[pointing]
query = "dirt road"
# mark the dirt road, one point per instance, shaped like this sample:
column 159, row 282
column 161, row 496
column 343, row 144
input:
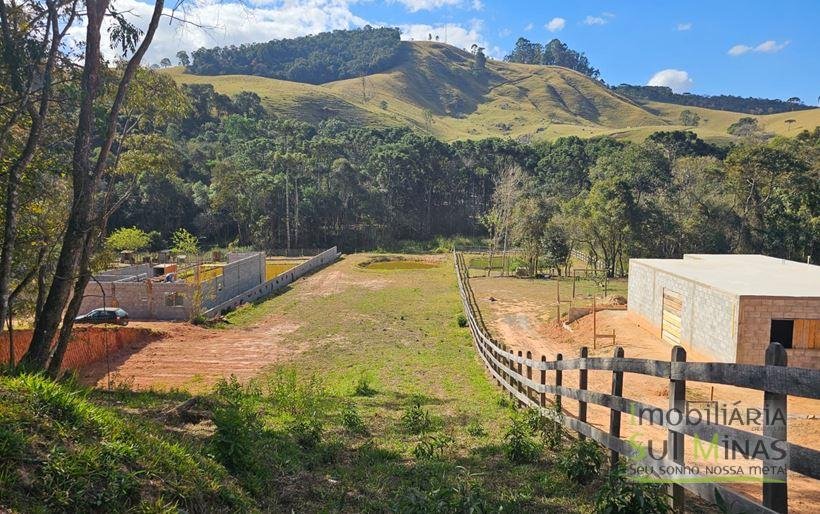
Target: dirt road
column 195, row 358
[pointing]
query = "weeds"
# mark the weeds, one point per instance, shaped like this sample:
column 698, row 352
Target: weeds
column 461, row 320
column 415, row 419
column 433, row 447
column 518, row 445
column 620, row 495
column 351, row 421
column 582, row 460
column 475, row 429
column 362, row 387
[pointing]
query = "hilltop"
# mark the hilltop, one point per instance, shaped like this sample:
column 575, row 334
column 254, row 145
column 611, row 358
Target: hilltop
column 434, row 88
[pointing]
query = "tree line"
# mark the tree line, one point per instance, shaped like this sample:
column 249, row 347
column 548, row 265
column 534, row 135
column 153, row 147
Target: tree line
column 316, row 59
column 719, row 102
column 89, row 149
column 554, row 53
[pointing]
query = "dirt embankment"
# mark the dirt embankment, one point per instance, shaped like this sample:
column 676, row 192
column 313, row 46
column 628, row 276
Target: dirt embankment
column 88, row 345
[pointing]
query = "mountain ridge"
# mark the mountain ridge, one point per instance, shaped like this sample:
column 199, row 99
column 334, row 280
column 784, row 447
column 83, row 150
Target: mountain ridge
column 434, row 87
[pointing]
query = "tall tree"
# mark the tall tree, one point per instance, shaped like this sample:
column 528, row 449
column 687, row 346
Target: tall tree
column 72, row 271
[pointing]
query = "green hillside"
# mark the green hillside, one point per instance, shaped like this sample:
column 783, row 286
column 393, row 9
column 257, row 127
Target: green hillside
column 435, row 89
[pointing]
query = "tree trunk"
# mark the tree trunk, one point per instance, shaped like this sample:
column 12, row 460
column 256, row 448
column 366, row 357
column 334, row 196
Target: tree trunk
column 287, row 212
column 85, row 179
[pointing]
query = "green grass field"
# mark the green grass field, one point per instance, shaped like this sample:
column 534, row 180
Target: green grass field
column 388, row 410
column 435, row 90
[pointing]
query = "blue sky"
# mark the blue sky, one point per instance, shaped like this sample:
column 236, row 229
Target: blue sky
column 748, row 48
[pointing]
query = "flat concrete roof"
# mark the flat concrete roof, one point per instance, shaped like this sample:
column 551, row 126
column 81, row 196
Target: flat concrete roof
column 744, row 275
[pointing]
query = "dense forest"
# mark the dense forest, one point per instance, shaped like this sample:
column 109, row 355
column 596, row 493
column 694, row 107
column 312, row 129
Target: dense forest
column 554, row 53
column 244, row 178
column 316, row 59
column 719, row 102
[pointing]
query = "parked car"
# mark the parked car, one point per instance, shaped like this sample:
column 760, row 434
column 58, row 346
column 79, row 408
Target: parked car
column 107, row 315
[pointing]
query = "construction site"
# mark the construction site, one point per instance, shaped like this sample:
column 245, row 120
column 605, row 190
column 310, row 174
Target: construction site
column 176, row 289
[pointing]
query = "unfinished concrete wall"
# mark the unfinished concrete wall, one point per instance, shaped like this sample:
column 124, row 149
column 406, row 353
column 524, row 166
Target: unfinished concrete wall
column 707, row 315
column 132, row 272
column 755, row 322
column 277, row 283
column 143, row 300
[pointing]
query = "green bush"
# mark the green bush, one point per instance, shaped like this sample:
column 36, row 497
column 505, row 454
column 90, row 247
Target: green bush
column 433, row 447
column 582, row 460
column 620, row 495
column 461, row 319
column 443, row 493
column 415, row 419
column 362, row 387
column 351, row 421
column 518, row 445
column 475, row 429
column 307, row 431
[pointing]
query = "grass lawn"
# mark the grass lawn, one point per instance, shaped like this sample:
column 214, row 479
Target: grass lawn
column 388, row 410
column 400, row 335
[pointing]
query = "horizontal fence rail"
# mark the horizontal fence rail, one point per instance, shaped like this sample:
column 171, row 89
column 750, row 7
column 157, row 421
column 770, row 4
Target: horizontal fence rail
column 514, row 371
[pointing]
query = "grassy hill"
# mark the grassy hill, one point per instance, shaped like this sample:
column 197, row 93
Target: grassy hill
column 435, row 89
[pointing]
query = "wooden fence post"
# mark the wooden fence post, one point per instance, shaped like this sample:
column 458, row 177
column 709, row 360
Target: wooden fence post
column 775, row 486
column 674, row 440
column 529, row 375
column 582, row 385
column 614, row 414
column 519, row 368
column 510, row 371
column 543, row 401
column 559, row 380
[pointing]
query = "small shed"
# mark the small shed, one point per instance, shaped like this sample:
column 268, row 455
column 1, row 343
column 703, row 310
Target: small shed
column 730, row 307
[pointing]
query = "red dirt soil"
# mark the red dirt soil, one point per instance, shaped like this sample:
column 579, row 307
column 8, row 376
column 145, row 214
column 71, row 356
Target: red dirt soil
column 522, row 324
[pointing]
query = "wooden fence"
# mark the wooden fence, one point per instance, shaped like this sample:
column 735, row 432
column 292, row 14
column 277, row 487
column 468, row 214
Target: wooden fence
column 514, row 372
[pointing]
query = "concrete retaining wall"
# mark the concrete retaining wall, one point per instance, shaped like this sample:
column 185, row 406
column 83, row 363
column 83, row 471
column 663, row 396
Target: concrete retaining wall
column 271, row 286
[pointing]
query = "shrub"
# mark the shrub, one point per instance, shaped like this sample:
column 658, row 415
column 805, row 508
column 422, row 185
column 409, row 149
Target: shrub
column 518, row 445
column 442, row 493
column 415, row 419
column 552, row 431
column 294, row 396
column 475, row 429
column 351, row 421
column 433, row 447
column 461, row 319
column 362, row 386
column 307, row 431
column 582, row 461
column 620, row 495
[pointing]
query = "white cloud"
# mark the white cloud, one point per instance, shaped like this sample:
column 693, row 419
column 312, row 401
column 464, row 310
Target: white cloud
column 431, row 5
column 684, row 26
column 771, row 46
column 478, row 5
column 678, row 80
column 767, row 47
column 603, row 19
column 217, row 23
column 528, row 27
column 457, row 35
column 556, row 24
column 504, row 32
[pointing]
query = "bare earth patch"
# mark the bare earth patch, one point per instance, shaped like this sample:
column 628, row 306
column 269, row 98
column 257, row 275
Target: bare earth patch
column 521, row 314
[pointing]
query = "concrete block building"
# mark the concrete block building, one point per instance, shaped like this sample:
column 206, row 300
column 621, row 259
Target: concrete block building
column 729, row 307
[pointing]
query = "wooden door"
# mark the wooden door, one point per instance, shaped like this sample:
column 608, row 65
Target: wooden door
column 671, row 320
